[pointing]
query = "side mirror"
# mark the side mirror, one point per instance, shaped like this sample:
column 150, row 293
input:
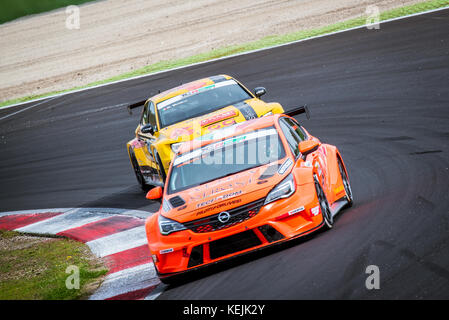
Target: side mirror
column 147, row 129
column 259, row 91
column 308, row 146
column 154, row 194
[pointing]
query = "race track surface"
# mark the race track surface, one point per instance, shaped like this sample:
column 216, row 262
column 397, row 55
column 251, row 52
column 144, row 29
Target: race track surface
column 381, row 96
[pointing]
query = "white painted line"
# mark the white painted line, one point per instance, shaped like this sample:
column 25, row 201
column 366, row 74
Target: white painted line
column 223, row 58
column 48, row 99
column 68, row 220
column 128, row 280
column 117, row 242
column 39, row 211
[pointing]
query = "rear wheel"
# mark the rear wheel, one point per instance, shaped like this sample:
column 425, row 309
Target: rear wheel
column 346, row 184
column 324, row 206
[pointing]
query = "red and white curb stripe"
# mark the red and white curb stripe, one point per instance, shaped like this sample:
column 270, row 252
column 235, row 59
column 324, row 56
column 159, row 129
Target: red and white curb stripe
column 116, row 235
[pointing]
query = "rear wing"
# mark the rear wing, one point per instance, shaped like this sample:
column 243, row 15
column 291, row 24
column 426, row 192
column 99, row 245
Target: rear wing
column 298, row 110
column 135, row 105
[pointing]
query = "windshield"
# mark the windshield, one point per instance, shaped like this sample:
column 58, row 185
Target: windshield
column 200, row 101
column 224, row 158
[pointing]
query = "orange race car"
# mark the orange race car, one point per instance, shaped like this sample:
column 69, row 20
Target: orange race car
column 248, row 186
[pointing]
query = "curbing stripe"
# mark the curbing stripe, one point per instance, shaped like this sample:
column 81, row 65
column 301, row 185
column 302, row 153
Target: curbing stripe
column 39, row 211
column 128, row 258
column 102, row 228
column 117, row 242
column 11, row 222
column 128, row 280
column 134, row 295
column 70, row 219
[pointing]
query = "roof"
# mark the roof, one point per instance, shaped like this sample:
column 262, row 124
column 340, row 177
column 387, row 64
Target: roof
column 184, row 88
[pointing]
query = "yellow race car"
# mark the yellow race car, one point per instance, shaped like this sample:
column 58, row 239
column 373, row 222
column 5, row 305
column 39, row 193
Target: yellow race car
column 185, row 113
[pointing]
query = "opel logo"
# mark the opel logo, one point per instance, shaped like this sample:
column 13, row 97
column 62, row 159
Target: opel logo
column 224, row 217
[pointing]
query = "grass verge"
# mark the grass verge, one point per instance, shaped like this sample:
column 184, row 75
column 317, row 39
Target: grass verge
column 254, row 45
column 34, row 268
column 13, row 9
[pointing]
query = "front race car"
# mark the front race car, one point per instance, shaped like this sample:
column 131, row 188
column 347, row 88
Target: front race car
column 232, row 196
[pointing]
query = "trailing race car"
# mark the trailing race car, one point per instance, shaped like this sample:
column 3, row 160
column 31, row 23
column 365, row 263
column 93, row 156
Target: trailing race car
column 245, row 187
column 187, row 112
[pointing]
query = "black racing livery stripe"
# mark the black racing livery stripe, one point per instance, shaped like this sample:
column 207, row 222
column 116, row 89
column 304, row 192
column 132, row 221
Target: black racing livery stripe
column 246, row 110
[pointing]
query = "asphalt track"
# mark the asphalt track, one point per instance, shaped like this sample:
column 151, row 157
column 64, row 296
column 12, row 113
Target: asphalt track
column 381, row 96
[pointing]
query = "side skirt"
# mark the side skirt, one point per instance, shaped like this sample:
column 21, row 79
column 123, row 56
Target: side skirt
column 338, row 205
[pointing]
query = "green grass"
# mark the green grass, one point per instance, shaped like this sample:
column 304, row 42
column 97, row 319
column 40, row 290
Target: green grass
column 258, row 44
column 13, row 9
column 37, row 272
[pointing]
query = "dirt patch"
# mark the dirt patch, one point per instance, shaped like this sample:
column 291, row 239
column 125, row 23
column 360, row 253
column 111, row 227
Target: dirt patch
column 39, row 54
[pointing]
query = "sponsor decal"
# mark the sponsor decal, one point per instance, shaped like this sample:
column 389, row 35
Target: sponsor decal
column 294, row 211
column 315, row 210
column 339, row 189
column 222, row 197
column 166, row 251
column 137, row 143
column 220, row 205
column 285, row 166
column 290, row 213
column 223, row 185
column 221, row 125
column 307, row 164
column 218, row 117
column 184, row 131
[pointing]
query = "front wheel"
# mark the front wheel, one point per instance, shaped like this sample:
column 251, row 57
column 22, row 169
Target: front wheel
column 161, row 168
column 346, row 184
column 324, row 206
column 136, row 168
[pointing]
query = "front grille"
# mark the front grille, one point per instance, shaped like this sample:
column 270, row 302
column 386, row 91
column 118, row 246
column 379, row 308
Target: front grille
column 237, row 215
column 235, row 243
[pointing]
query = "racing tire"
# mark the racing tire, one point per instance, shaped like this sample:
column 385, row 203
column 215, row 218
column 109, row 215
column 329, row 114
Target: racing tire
column 139, row 176
column 346, row 184
column 324, row 206
column 161, row 168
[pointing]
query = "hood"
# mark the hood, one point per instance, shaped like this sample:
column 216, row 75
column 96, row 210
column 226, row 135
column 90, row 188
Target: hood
column 193, row 128
column 226, row 193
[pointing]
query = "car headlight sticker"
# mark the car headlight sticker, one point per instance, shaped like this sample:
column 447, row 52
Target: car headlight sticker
column 167, row 226
column 283, row 190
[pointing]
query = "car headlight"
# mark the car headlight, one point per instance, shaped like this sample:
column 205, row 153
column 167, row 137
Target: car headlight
column 283, row 190
column 167, row 226
column 268, row 114
column 175, row 147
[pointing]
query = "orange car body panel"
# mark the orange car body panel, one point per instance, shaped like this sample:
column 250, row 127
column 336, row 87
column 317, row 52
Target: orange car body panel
column 294, row 216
